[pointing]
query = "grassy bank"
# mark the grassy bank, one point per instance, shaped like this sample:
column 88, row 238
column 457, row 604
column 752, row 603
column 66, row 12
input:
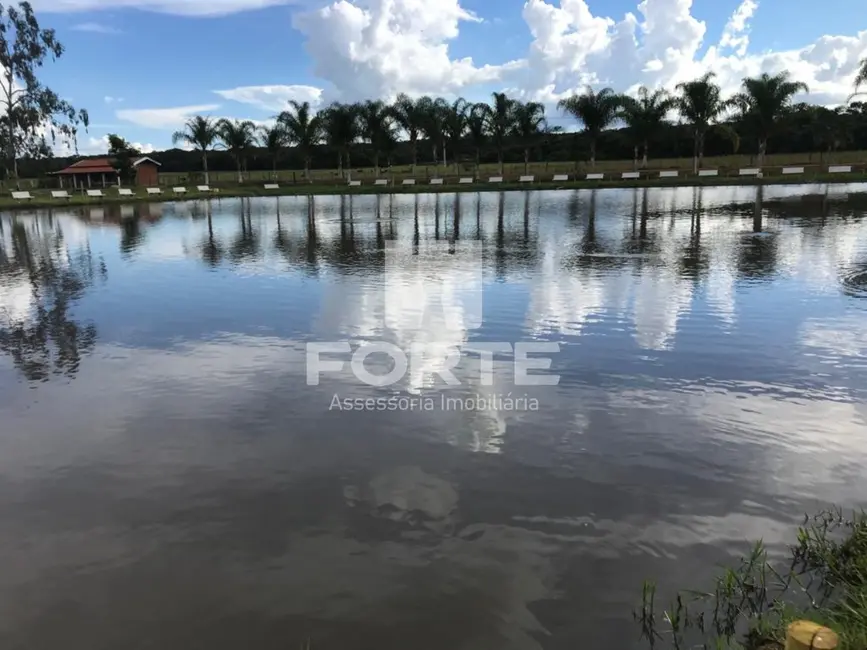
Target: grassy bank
column 42, row 199
column 824, row 580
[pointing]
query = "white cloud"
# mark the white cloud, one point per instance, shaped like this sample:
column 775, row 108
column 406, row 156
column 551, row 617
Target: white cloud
column 272, row 98
column 112, row 100
column 379, row 48
column 164, row 118
column 734, row 33
column 177, row 7
column 96, row 28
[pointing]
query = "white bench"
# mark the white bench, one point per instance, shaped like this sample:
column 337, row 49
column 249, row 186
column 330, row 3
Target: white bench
column 408, row 181
column 272, row 186
column 750, row 171
column 495, row 179
column 595, row 177
column 203, row 188
column 95, row 194
column 124, row 191
column 179, row 190
column 708, row 172
column 21, row 196
column 60, row 194
column 465, row 181
column 840, row 169
column 354, row 183
column 793, row 170
column 669, row 174
column 381, row 181
column 560, row 177
column 436, row 181
column 154, row 190
column 630, row 175
column 527, row 179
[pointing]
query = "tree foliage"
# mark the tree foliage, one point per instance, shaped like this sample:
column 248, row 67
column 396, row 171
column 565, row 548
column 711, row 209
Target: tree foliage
column 32, row 114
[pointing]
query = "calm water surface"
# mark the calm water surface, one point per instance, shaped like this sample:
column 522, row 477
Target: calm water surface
column 169, row 480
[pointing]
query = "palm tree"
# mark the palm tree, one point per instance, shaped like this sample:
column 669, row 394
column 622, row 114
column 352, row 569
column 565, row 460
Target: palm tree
column 377, row 128
column 596, row 111
column 477, row 129
column 410, row 115
column 303, row 128
column 764, row 100
column 701, row 104
column 529, row 123
column 645, row 116
column 274, row 139
column 454, row 126
column 342, row 128
column 433, row 125
column 238, row 137
column 500, row 121
column 201, row 134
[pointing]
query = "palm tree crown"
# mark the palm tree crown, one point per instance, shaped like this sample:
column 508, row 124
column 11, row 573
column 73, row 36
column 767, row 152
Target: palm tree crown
column 274, row 139
column 701, row 104
column 377, row 127
column 303, row 129
column 341, row 128
column 645, row 115
column 528, row 123
column 763, row 101
column 200, row 133
column 861, row 77
column 238, row 137
column 596, row 111
column 410, row 116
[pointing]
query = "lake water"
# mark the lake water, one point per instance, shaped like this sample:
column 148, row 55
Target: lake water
column 168, row 478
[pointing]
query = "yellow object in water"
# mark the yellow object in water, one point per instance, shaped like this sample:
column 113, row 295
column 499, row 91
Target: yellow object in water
column 806, row 635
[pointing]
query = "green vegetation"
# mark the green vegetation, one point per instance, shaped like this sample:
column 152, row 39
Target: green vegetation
column 29, row 108
column 824, row 581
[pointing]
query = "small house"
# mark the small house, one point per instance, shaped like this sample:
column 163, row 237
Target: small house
column 102, row 172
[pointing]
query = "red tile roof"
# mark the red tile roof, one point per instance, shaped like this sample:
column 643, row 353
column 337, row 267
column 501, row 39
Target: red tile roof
column 90, row 166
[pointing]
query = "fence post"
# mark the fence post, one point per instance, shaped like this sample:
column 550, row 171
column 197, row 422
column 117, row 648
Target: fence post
column 806, row 635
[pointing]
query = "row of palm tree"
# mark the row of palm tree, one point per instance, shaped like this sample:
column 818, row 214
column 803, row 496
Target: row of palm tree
column 456, row 128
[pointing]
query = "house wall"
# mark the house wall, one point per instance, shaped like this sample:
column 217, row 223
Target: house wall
column 147, row 174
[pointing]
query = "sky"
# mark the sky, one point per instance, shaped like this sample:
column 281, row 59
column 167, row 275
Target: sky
column 142, row 67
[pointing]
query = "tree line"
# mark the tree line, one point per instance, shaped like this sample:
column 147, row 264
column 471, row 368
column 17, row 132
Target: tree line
column 694, row 118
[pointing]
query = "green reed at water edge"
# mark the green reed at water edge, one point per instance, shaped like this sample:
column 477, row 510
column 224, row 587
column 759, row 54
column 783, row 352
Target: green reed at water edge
column 751, row 605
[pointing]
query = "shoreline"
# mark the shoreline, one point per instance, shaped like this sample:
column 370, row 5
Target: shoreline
column 241, row 191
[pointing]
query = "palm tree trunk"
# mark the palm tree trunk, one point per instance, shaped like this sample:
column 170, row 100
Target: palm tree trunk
column 763, row 146
column 375, row 163
column 307, row 168
column 205, row 166
column 414, row 147
column 340, row 164
column 644, row 159
column 635, row 158
column 526, row 160
column 445, row 158
column 593, row 154
column 500, row 158
column 695, row 152
column 240, row 175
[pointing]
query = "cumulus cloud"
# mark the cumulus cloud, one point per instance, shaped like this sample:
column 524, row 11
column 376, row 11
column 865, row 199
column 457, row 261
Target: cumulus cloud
column 164, row 118
column 378, row 48
column 177, row 7
column 272, row 98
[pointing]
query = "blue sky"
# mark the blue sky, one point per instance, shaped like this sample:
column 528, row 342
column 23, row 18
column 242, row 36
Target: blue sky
column 142, row 66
